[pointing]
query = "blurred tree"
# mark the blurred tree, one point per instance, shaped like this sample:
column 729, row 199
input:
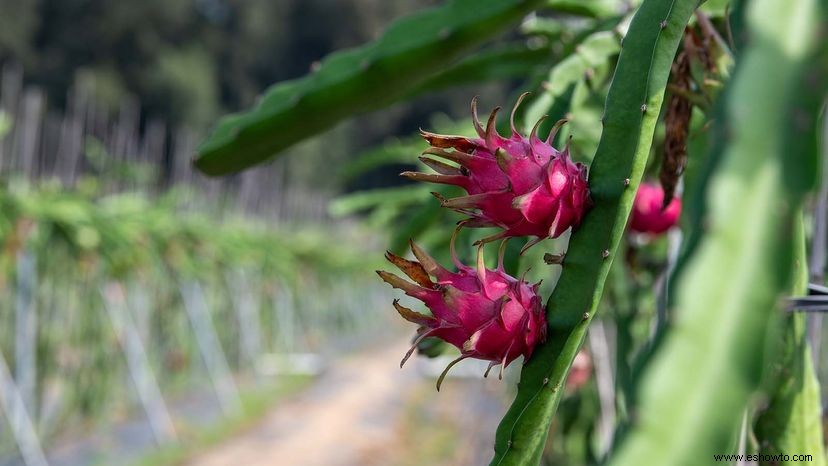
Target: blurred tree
column 186, row 60
column 189, row 61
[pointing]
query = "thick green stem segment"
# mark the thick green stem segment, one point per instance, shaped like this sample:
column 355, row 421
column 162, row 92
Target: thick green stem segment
column 630, row 116
column 699, row 384
column 359, row 80
column 792, row 422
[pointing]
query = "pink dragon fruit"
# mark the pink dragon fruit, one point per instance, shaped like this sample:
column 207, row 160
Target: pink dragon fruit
column 487, row 314
column 520, row 184
column 580, row 372
column 648, row 214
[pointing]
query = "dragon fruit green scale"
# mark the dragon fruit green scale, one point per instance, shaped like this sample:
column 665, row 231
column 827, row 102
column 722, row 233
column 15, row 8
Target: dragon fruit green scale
column 487, row 314
column 522, row 185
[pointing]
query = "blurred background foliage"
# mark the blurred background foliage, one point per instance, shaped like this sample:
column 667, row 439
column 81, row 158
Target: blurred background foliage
column 189, row 61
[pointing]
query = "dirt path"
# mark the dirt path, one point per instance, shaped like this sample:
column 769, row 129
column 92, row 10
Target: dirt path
column 349, row 413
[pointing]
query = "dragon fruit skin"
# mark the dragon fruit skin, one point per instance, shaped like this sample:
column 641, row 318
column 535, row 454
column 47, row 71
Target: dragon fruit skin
column 486, row 314
column 522, row 185
column 648, row 216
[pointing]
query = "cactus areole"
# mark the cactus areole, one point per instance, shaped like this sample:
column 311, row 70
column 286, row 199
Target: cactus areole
column 649, row 215
column 487, row 314
column 520, row 184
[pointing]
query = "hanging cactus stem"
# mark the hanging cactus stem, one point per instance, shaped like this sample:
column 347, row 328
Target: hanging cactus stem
column 628, row 127
column 406, row 57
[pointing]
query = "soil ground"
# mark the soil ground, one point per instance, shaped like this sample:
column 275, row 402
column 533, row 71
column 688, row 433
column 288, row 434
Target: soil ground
column 366, row 411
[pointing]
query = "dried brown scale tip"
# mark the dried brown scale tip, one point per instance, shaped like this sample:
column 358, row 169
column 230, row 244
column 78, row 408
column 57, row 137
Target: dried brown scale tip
column 464, row 202
column 414, row 270
column 446, row 370
column 422, row 334
column 554, row 259
column 441, row 167
column 411, row 316
column 439, row 196
column 396, row 281
column 462, row 158
column 461, row 143
column 489, row 239
column 426, row 261
column 477, row 223
column 529, row 244
column 431, row 177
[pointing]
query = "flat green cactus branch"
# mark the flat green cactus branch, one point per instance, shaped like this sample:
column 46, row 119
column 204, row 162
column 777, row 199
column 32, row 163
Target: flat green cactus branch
column 359, row 80
column 630, row 116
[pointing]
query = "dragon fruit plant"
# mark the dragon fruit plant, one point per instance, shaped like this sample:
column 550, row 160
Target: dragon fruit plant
column 487, row 314
column 520, row 184
column 758, row 162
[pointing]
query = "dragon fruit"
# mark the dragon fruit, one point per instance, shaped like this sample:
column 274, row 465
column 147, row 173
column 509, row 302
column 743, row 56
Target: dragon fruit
column 487, row 314
column 649, row 214
column 522, row 185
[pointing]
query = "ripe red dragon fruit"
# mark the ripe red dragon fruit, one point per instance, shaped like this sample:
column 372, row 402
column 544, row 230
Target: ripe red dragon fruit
column 649, row 214
column 487, row 314
column 520, row 184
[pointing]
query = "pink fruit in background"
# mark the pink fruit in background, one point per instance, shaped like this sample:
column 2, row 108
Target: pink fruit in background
column 521, row 184
column 487, row 314
column 648, row 216
column 580, row 372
